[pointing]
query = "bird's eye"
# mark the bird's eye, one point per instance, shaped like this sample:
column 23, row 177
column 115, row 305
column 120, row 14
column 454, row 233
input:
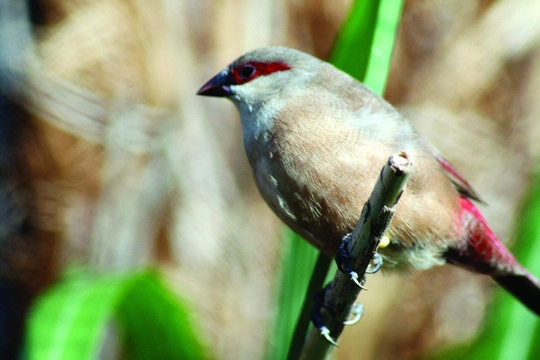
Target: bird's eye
column 247, row 71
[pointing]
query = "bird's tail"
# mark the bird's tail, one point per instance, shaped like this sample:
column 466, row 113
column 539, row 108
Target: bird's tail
column 480, row 251
column 525, row 287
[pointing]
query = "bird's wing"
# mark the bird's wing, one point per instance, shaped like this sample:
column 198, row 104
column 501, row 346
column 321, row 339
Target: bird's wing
column 462, row 186
column 354, row 94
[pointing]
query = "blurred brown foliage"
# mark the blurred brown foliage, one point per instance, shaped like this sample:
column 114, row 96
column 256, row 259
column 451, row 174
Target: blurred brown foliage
column 128, row 167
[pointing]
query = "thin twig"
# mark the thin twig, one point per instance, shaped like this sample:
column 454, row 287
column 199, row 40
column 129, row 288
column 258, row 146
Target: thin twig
column 376, row 216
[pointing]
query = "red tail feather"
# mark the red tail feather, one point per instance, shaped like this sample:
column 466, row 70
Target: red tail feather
column 480, row 249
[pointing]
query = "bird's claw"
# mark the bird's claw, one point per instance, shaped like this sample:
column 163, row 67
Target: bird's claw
column 357, row 311
column 354, row 278
column 326, row 333
column 375, row 264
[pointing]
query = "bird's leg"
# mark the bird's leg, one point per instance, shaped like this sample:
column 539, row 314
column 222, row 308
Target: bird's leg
column 316, row 316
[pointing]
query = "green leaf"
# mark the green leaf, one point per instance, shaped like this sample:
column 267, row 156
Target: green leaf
column 71, row 319
column 353, row 47
column 297, row 266
column 365, row 45
column 363, row 48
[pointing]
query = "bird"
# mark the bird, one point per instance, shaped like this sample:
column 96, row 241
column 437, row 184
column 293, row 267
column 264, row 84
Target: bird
column 316, row 139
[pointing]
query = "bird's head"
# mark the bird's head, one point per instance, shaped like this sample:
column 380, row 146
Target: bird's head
column 261, row 74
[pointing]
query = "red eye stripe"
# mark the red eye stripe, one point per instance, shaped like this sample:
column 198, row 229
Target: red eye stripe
column 248, row 71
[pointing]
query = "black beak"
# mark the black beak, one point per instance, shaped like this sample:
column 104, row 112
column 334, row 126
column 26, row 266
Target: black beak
column 216, row 86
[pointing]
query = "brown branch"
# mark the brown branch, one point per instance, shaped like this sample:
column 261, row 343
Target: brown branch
column 376, row 216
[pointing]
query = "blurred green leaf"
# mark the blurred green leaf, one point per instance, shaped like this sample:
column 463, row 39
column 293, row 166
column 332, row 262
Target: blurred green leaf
column 71, row 319
column 353, row 46
column 296, row 271
column 365, row 44
column 363, row 49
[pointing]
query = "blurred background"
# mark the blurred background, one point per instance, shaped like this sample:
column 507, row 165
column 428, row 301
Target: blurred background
column 108, row 158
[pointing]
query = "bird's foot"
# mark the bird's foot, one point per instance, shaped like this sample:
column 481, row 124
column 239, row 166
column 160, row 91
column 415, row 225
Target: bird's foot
column 375, row 264
column 357, row 311
column 316, row 316
column 343, row 260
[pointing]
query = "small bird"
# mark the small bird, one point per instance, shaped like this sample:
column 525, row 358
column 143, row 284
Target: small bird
column 316, row 140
